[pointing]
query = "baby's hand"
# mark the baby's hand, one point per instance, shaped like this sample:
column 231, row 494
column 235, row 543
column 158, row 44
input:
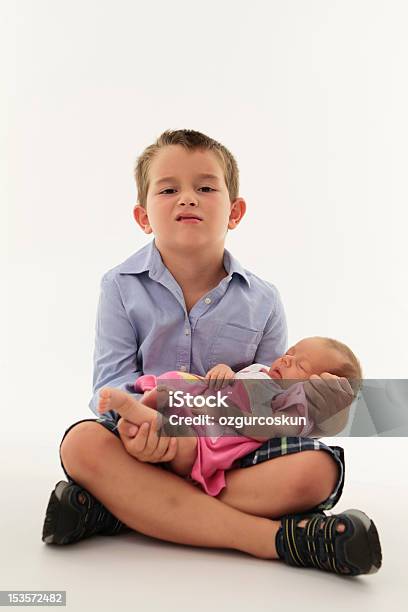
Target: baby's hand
column 220, row 376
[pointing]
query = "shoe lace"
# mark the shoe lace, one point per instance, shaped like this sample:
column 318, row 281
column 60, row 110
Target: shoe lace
column 312, row 544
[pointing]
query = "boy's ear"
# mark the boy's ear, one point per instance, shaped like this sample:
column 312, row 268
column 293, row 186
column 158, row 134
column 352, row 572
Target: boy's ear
column 141, row 218
column 238, row 209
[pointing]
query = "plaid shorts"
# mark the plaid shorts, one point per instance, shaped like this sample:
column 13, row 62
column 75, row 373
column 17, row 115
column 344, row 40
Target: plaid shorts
column 275, row 447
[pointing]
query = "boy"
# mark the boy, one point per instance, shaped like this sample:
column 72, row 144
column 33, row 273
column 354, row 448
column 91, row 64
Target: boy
column 184, row 303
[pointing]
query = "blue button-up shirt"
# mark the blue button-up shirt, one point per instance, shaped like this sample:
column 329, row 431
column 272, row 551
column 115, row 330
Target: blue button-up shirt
column 143, row 326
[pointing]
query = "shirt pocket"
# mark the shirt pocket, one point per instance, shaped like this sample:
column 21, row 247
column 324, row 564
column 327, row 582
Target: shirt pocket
column 234, row 345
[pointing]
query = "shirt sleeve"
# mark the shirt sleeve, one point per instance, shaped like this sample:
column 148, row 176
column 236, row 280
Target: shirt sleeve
column 274, row 341
column 116, row 345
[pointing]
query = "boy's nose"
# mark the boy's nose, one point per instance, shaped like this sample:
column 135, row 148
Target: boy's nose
column 191, row 202
column 188, row 199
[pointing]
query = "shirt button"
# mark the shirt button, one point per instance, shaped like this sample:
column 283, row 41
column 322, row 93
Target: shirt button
column 183, row 368
column 207, row 300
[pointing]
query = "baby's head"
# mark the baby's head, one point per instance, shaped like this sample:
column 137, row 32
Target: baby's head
column 315, row 356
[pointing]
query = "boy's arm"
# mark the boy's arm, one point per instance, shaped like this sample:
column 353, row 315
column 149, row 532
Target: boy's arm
column 326, row 414
column 274, row 340
column 263, row 432
column 116, row 344
column 260, row 432
column 264, row 403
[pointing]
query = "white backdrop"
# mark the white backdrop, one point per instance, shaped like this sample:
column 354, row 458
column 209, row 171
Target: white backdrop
column 310, row 97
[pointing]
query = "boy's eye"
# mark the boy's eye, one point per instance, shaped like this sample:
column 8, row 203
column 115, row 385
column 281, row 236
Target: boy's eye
column 171, row 189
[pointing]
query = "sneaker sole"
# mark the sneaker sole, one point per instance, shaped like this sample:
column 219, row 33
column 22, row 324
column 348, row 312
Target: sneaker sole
column 65, row 517
column 365, row 538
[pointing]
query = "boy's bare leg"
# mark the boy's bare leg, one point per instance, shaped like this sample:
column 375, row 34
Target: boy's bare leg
column 185, row 456
column 285, row 485
column 111, row 398
column 288, row 484
column 158, row 503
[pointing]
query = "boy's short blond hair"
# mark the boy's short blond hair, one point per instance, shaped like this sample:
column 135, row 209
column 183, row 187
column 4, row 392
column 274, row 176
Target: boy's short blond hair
column 191, row 140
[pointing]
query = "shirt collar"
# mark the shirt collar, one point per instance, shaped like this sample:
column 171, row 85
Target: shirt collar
column 148, row 259
column 141, row 261
column 233, row 266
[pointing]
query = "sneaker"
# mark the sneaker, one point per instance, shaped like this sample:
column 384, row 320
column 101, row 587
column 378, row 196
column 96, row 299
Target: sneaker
column 318, row 544
column 73, row 514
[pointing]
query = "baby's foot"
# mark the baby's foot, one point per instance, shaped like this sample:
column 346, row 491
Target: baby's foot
column 127, row 406
column 111, row 398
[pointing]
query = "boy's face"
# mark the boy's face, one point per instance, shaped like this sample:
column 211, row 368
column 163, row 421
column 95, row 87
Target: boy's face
column 188, row 211
column 307, row 357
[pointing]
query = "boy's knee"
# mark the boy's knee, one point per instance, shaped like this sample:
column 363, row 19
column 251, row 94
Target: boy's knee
column 316, row 478
column 82, row 447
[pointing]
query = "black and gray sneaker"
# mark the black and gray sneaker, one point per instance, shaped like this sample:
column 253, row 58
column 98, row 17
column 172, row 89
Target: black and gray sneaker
column 73, row 514
column 318, row 544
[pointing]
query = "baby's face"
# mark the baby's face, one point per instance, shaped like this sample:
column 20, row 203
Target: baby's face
column 307, row 357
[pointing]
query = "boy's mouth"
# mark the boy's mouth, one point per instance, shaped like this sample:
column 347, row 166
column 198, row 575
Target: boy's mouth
column 276, row 374
column 185, row 218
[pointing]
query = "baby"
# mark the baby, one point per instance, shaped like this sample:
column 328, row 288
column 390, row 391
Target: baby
column 203, row 458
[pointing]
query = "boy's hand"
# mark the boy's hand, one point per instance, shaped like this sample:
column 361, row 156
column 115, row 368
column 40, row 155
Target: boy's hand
column 220, row 376
column 144, row 444
column 329, row 398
